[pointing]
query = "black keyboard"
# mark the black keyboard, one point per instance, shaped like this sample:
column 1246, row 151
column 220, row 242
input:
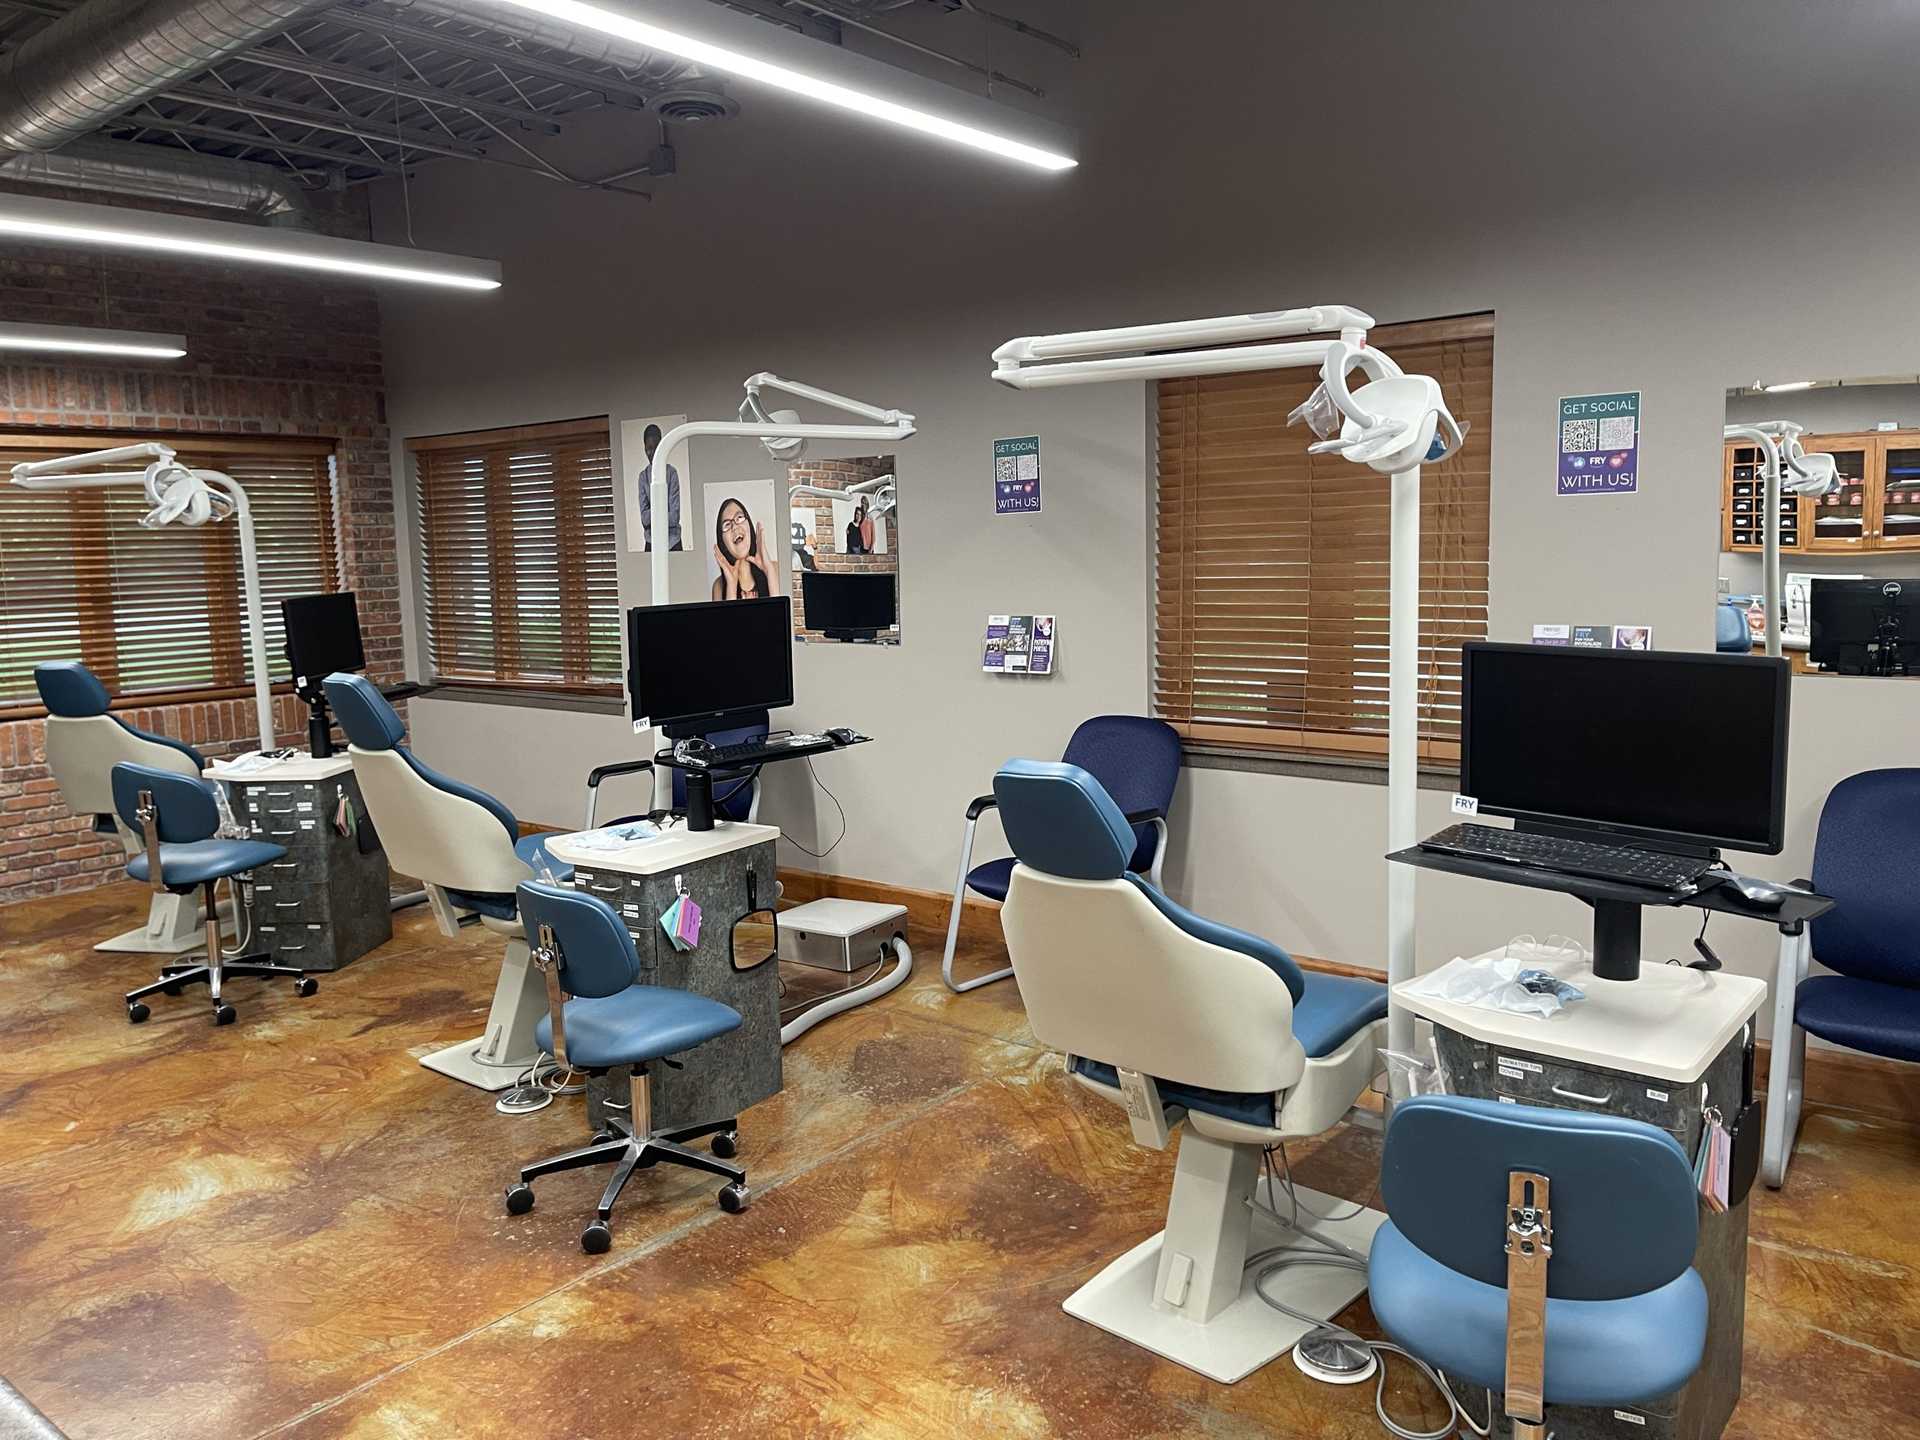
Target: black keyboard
column 1570, row 857
column 753, row 752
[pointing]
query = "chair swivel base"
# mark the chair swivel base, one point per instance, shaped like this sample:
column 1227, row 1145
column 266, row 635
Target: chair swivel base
column 1248, row 1332
column 620, row 1148
column 175, row 976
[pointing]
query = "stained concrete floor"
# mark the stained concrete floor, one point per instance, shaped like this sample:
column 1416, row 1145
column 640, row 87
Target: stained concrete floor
column 287, row 1227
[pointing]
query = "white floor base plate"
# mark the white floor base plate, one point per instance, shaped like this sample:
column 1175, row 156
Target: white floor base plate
column 458, row 1063
column 1249, row 1332
column 143, row 940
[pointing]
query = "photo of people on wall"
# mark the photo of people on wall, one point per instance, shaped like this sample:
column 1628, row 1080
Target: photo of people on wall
column 741, row 565
column 639, row 439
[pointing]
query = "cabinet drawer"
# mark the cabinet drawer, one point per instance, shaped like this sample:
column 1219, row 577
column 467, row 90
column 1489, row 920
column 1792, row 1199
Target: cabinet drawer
column 1524, row 1078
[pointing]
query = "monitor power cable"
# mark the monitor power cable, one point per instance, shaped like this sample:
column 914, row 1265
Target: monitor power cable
column 822, row 854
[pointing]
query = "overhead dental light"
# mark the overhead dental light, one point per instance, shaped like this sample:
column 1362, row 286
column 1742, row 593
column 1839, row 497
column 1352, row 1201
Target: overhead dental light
column 70, row 222
column 720, row 40
column 81, row 340
column 1393, row 424
column 1786, row 467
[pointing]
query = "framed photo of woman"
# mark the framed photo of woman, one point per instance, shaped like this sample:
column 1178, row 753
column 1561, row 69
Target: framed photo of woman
column 742, row 540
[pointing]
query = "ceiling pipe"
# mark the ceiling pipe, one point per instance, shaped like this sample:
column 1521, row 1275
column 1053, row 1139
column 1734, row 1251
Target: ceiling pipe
column 531, row 29
column 153, row 172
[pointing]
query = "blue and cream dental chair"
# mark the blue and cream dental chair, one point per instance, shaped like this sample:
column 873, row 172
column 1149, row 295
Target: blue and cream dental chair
column 85, row 740
column 1185, row 1023
column 466, row 848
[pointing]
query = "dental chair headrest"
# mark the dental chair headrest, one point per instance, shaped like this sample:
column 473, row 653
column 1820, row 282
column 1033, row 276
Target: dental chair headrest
column 70, row 690
column 364, row 714
column 1061, row 820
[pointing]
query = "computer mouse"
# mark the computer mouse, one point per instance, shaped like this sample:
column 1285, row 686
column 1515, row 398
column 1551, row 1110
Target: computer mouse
column 841, row 735
column 1762, row 894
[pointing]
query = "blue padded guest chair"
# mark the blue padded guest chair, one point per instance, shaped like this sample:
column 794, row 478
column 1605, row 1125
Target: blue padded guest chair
column 1182, row 1021
column 465, row 847
column 1507, row 1218
column 1863, row 858
column 736, row 793
column 85, row 740
column 1731, row 633
column 181, row 852
column 1137, row 760
column 601, row 1018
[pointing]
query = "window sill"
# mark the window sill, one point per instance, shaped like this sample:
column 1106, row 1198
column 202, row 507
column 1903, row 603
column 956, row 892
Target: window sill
column 525, row 699
column 1347, row 769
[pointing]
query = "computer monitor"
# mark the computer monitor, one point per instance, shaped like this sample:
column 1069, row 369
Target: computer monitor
column 1655, row 748
column 693, row 665
column 1864, row 627
column 323, row 635
column 847, row 605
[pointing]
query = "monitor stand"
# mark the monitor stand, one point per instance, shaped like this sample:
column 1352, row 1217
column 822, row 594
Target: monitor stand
column 856, row 637
column 319, row 725
column 1616, row 939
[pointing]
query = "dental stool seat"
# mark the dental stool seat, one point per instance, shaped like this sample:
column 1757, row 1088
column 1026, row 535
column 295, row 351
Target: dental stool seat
column 641, row 1023
column 184, row 868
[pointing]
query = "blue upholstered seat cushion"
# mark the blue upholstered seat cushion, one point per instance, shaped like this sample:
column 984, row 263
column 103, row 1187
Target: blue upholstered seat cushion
column 530, row 848
column 182, row 867
column 1333, row 1010
column 642, row 1022
column 1599, row 1352
column 1861, row 1014
column 992, row 878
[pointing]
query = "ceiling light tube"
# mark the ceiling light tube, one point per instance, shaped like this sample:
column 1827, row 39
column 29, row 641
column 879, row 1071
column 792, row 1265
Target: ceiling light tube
column 82, row 340
column 70, row 222
column 1783, row 386
column 719, row 40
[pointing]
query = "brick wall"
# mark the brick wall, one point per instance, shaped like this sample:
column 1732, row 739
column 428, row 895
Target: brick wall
column 829, row 540
column 268, row 354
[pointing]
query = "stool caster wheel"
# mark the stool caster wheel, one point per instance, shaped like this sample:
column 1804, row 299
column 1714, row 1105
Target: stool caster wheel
column 223, row 1014
column 597, row 1238
column 170, row 989
column 602, row 1137
column 735, row 1198
column 306, row 985
column 519, row 1198
column 136, row 1013
column 727, row 1144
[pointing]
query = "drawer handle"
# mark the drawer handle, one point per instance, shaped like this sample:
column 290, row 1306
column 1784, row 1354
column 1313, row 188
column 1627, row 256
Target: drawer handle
column 286, row 904
column 1566, row 1094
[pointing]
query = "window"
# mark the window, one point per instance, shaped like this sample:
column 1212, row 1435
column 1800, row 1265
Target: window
column 517, row 557
column 160, row 614
column 1271, row 586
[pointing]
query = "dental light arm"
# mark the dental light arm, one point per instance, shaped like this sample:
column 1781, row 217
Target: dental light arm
column 881, row 490
column 1393, row 423
column 176, row 493
column 1786, row 467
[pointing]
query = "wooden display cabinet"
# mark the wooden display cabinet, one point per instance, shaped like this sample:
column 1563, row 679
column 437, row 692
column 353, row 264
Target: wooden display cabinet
column 1877, row 506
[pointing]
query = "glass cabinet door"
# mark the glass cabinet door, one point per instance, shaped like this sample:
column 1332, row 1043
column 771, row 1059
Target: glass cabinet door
column 1899, row 518
column 1840, row 517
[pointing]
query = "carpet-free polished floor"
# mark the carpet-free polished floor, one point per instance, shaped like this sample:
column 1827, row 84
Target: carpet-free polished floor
column 287, row 1227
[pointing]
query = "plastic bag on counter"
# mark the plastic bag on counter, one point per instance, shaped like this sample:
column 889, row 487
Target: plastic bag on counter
column 1411, row 1075
column 1498, row 982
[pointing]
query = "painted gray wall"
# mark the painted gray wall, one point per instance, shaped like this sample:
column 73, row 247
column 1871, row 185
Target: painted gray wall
column 1611, row 237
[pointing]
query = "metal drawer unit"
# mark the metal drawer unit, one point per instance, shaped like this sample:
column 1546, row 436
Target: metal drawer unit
column 1700, row 1410
column 326, row 904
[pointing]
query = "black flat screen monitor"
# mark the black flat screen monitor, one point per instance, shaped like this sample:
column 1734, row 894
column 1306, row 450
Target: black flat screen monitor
column 1848, row 619
column 848, row 603
column 323, row 635
column 704, row 662
column 1652, row 747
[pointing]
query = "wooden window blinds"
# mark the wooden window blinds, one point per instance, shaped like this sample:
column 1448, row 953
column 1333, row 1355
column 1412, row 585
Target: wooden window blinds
column 156, row 614
column 1271, row 585
column 517, row 557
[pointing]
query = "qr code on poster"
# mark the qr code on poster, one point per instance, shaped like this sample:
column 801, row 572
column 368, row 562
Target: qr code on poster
column 1577, row 437
column 1029, row 467
column 1616, row 433
column 1005, row 468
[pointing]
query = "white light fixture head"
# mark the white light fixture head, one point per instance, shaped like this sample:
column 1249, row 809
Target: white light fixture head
column 732, row 44
column 83, row 340
column 71, row 222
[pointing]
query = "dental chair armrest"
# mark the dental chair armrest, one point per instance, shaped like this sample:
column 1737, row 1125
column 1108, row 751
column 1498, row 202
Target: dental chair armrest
column 980, row 806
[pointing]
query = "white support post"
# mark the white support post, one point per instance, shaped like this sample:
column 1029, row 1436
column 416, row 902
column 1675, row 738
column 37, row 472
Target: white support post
column 1770, row 560
column 1786, row 1069
column 1403, row 742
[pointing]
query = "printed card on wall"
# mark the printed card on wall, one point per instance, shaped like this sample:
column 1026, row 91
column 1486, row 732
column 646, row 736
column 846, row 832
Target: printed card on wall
column 1600, row 444
column 1019, row 643
column 1040, row 662
column 1016, row 476
column 995, row 659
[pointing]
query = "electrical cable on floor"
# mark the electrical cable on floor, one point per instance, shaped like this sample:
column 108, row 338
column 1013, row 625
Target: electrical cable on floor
column 822, row 854
column 1282, row 1257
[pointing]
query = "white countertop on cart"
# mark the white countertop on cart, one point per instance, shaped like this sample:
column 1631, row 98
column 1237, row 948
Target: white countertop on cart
column 666, row 851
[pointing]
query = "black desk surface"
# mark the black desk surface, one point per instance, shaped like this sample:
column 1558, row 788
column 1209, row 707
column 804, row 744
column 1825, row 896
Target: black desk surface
column 1714, row 895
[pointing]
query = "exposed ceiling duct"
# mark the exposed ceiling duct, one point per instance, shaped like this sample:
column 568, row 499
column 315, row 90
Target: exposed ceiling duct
column 533, row 29
column 101, row 60
column 119, row 167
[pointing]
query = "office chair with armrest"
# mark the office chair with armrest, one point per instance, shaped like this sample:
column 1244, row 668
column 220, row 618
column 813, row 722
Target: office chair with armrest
column 736, row 793
column 84, row 742
column 600, row 1018
column 1543, row 1254
column 181, row 852
column 1863, row 858
column 1178, row 1018
column 1137, row 760
column 466, row 848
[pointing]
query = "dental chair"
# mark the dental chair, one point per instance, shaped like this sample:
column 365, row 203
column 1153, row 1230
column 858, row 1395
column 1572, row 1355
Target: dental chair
column 84, row 742
column 466, row 848
column 1185, row 1022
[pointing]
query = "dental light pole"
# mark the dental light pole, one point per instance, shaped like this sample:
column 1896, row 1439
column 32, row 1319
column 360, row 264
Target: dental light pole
column 1392, row 423
column 176, row 493
column 1786, row 468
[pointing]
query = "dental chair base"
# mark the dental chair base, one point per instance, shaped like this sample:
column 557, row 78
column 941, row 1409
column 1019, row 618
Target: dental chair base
column 174, row 926
column 506, row 1049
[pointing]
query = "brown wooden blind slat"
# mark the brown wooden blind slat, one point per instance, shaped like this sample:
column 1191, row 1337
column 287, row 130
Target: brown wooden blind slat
column 156, row 611
column 1271, row 595
column 518, row 556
